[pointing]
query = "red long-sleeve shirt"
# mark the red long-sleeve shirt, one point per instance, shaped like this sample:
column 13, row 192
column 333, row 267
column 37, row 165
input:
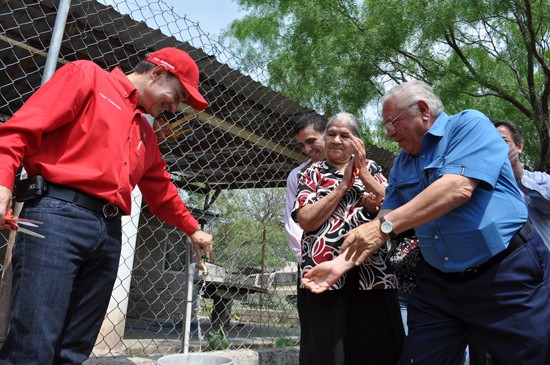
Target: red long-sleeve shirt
column 82, row 129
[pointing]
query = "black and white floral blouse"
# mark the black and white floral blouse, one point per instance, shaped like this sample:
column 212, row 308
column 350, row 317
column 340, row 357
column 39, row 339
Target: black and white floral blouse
column 404, row 255
column 317, row 181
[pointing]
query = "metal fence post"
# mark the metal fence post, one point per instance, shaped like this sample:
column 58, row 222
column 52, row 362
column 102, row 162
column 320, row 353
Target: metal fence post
column 57, row 38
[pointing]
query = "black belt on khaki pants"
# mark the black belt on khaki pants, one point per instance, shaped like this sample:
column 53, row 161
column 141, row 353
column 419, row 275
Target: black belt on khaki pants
column 108, row 210
column 519, row 238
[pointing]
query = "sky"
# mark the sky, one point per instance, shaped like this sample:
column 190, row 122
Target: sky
column 212, row 15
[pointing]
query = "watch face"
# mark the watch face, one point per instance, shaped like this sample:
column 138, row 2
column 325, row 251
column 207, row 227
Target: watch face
column 386, row 227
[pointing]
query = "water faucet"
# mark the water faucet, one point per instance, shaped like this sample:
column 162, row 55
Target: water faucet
column 201, row 266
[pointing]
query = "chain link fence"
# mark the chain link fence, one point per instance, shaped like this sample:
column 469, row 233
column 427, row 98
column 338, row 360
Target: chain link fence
column 230, row 163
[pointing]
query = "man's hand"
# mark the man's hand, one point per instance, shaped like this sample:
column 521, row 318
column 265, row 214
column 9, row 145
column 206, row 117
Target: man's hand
column 202, row 240
column 513, row 155
column 322, row 276
column 5, row 204
column 371, row 202
column 363, row 241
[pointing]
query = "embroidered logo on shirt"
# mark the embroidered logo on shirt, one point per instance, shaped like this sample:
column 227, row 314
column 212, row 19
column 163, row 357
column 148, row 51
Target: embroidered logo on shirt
column 110, row 101
column 143, row 136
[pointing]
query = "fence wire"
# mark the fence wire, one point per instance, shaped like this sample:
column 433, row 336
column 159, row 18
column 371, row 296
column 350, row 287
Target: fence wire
column 230, row 163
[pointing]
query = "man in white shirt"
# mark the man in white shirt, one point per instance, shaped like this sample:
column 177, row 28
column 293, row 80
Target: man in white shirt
column 534, row 186
column 309, row 135
column 535, row 191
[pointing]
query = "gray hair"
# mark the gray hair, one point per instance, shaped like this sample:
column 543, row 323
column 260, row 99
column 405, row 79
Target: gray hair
column 410, row 92
column 350, row 118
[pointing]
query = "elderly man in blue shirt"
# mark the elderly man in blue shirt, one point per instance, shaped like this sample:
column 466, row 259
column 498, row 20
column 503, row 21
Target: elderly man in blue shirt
column 485, row 269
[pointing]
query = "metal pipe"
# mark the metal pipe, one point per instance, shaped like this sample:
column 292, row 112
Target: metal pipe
column 188, row 307
column 190, row 271
column 57, row 39
column 201, row 267
column 263, row 269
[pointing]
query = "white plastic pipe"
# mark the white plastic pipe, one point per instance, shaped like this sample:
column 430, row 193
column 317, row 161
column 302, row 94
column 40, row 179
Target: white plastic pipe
column 112, row 329
column 188, row 306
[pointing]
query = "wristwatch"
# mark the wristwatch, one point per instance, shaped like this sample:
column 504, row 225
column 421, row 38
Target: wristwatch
column 387, row 227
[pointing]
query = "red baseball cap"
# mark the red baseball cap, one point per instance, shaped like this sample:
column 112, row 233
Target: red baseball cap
column 182, row 65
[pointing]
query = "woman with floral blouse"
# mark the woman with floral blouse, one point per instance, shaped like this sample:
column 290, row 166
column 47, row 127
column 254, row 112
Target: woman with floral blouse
column 357, row 320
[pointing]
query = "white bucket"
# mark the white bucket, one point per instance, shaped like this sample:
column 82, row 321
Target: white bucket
column 195, row 359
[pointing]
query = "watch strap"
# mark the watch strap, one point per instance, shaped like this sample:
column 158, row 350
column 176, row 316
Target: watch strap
column 391, row 233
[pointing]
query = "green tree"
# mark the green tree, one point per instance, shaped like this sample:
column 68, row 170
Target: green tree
column 337, row 55
column 238, row 238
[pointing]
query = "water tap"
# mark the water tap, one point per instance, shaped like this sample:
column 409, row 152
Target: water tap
column 201, row 266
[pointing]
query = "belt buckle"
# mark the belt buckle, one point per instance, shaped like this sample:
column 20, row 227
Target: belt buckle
column 470, row 272
column 110, row 210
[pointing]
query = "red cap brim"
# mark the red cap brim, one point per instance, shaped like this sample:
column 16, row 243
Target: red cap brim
column 195, row 99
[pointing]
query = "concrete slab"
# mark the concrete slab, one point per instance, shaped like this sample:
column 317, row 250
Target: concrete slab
column 146, row 340
column 144, row 336
column 267, row 356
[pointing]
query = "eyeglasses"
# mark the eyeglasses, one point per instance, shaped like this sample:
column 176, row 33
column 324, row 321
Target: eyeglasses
column 389, row 126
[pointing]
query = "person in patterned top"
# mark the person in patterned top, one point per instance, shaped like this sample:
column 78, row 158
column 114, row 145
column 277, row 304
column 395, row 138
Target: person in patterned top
column 403, row 256
column 335, row 195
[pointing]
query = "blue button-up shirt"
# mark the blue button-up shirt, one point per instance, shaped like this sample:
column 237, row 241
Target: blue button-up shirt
column 465, row 144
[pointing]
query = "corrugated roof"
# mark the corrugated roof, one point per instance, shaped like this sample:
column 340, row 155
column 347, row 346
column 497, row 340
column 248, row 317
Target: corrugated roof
column 244, row 139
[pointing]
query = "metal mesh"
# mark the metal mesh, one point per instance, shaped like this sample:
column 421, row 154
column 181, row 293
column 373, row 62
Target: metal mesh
column 230, row 163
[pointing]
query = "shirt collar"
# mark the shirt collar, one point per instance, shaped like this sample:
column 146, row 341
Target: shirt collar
column 129, row 90
column 324, row 165
column 438, row 128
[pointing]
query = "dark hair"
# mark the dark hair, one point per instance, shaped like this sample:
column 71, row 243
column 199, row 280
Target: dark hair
column 145, row 66
column 314, row 119
column 517, row 133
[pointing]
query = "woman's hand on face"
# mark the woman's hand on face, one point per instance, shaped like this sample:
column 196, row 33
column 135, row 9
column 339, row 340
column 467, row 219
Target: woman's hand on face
column 359, row 151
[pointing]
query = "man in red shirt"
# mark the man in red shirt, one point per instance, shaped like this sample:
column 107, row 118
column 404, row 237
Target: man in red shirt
column 84, row 133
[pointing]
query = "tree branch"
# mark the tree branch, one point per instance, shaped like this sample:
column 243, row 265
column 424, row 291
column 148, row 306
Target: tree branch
column 539, row 58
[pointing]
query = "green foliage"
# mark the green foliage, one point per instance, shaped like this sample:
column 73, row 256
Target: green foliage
column 283, row 342
column 206, row 310
column 217, row 340
column 490, row 55
column 238, row 236
column 239, row 239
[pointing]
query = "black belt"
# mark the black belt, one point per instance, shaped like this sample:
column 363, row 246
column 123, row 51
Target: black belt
column 519, row 238
column 108, row 210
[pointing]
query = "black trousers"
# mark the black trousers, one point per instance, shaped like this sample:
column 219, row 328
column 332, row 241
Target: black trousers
column 350, row 326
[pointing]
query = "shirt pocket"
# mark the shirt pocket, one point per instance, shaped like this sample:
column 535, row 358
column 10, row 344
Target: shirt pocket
column 138, row 154
column 432, row 172
column 407, row 190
